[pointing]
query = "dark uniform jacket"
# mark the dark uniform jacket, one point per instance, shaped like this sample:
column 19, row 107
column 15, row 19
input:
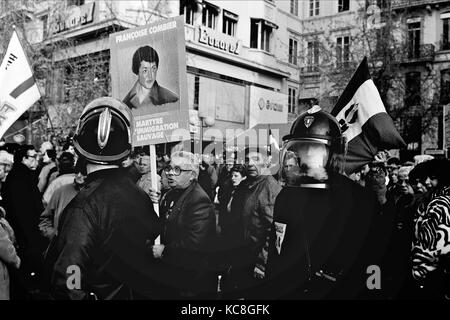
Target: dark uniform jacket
column 103, row 231
column 188, row 235
column 327, row 235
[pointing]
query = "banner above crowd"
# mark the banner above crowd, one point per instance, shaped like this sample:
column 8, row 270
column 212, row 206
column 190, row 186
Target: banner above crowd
column 148, row 73
column 19, row 90
column 364, row 120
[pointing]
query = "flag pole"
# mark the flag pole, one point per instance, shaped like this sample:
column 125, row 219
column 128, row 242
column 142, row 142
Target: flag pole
column 154, row 181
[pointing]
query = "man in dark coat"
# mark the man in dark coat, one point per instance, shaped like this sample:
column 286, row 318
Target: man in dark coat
column 23, row 204
column 189, row 228
column 100, row 250
column 252, row 213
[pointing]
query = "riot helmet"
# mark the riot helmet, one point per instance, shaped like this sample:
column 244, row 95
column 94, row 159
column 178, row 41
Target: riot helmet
column 103, row 134
column 313, row 150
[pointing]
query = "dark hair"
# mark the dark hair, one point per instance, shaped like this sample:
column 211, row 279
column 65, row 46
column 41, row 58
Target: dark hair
column 239, row 168
column 440, row 169
column 65, row 163
column 420, row 171
column 146, row 53
column 51, row 153
column 21, row 152
column 142, row 151
column 393, row 161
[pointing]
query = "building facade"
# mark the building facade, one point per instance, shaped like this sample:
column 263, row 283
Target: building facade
column 239, row 53
column 406, row 42
column 288, row 53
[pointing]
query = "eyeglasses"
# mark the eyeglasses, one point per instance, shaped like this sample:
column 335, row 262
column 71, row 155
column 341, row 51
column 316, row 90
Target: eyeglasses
column 176, row 170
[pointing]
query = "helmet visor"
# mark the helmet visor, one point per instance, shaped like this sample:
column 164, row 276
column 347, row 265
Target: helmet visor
column 304, row 162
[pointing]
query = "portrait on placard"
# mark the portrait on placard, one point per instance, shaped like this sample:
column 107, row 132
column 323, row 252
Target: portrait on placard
column 147, row 95
column 148, row 73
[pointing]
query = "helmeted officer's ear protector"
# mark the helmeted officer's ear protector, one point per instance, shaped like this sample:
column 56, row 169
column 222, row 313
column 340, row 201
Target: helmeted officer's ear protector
column 103, row 134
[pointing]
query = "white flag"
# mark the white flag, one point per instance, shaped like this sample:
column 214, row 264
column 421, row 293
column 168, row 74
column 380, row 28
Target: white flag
column 18, row 89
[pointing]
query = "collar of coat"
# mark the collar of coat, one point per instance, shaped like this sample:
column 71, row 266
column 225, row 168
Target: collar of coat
column 179, row 202
column 252, row 183
column 153, row 93
column 444, row 191
column 101, row 174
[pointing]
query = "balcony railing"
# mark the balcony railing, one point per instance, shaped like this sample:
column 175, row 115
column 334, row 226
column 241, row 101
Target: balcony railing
column 398, row 4
column 422, row 53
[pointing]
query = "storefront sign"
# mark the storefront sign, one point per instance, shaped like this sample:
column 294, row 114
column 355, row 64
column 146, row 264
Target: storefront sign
column 267, row 106
column 219, row 40
column 76, row 16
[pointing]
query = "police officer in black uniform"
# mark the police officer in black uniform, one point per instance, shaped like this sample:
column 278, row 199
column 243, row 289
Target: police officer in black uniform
column 100, row 249
column 324, row 242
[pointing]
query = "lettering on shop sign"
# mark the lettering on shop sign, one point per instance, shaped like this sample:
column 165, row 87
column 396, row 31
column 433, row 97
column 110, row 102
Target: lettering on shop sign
column 269, row 105
column 219, row 41
column 76, row 16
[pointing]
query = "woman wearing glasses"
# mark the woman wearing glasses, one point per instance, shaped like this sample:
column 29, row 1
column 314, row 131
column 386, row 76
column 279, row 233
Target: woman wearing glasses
column 188, row 220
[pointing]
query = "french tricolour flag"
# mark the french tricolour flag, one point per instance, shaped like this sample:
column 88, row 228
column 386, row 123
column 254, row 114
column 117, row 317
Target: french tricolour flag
column 18, row 88
column 364, row 120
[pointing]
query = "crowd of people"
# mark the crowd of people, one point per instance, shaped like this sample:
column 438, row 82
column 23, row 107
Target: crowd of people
column 80, row 223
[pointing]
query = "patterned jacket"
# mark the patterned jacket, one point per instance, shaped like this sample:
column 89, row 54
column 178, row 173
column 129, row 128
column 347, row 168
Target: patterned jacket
column 8, row 255
column 431, row 244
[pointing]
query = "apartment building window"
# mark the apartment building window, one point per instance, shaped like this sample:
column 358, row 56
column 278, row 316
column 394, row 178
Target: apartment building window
column 314, row 8
column 312, row 56
column 210, row 15
column 188, row 12
column 196, row 91
column 292, row 100
column 383, row 4
column 445, row 43
column 381, row 35
column 44, row 20
column 261, row 33
column 294, row 7
column 414, row 30
column 343, row 51
column 343, row 5
column 75, row 2
column 293, row 49
column 230, row 21
column 412, row 89
column 445, row 86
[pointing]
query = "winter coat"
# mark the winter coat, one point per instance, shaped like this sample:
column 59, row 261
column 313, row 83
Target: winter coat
column 431, row 245
column 8, row 255
column 189, row 231
column 23, row 204
column 324, row 241
column 104, row 232
column 207, row 178
column 251, row 220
